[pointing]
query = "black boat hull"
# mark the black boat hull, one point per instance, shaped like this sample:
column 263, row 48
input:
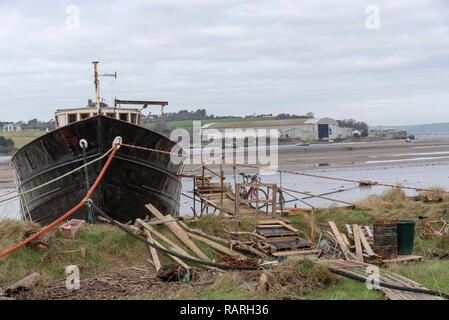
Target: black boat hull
column 134, row 177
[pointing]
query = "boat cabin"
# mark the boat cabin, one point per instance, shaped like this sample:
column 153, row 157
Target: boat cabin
column 64, row 117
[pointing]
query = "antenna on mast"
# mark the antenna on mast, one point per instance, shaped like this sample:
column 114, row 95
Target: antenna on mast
column 97, row 83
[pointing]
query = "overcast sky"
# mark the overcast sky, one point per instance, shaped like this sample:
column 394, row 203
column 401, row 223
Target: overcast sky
column 230, row 57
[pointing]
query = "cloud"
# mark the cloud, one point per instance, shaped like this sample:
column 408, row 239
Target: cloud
column 230, row 56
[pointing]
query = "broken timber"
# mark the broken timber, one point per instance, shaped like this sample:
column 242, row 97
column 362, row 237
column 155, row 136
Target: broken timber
column 177, row 230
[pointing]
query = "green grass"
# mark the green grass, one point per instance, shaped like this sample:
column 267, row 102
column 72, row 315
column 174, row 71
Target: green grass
column 347, row 290
column 21, row 138
column 432, row 274
column 106, row 248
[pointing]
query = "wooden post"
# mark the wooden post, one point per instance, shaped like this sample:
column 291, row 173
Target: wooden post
column 237, row 200
column 235, row 216
column 281, row 203
column 194, row 197
column 257, row 201
column 268, row 198
column 221, row 184
column 273, row 204
column 312, row 229
column 201, row 192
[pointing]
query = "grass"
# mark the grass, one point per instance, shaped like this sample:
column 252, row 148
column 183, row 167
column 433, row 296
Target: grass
column 188, row 124
column 21, row 138
column 106, row 248
column 432, row 274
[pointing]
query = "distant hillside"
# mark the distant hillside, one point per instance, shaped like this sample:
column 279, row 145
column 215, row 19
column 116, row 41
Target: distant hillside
column 430, row 128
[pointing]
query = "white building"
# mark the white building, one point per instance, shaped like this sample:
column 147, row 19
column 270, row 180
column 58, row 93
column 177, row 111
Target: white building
column 11, row 127
column 304, row 129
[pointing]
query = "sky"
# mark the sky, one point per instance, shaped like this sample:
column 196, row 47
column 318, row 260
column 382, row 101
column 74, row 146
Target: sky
column 382, row 62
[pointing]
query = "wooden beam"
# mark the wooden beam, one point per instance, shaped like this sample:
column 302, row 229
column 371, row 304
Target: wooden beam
column 177, row 230
column 174, row 257
column 153, row 251
column 215, row 245
column 358, row 246
column 348, row 255
column 366, row 245
column 294, row 253
column 174, row 246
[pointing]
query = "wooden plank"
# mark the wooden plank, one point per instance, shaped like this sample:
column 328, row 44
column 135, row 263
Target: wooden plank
column 366, row 245
column 268, row 221
column 174, row 257
column 177, row 230
column 348, row 255
column 368, row 231
column 294, row 253
column 289, row 226
column 153, row 251
column 173, row 245
column 345, row 239
column 403, row 259
column 348, row 227
column 215, row 245
column 358, row 245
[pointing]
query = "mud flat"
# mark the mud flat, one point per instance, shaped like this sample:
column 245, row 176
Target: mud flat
column 6, row 173
column 352, row 154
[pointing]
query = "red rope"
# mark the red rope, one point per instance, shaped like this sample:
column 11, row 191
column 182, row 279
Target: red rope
column 5, row 194
column 68, row 213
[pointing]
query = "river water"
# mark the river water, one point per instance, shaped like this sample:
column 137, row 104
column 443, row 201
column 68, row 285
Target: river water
column 422, row 173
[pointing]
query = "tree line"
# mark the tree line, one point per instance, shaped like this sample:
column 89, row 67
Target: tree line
column 356, row 125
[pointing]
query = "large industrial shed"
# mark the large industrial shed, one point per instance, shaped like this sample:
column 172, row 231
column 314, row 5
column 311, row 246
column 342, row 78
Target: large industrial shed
column 304, row 129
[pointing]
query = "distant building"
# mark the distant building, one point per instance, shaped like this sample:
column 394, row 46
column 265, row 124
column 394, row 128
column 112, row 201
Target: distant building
column 11, row 127
column 304, row 129
column 388, row 133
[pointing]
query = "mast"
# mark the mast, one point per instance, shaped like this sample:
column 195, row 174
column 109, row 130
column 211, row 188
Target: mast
column 97, row 84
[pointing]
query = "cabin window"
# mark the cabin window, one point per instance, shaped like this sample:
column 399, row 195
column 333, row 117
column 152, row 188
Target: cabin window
column 133, row 118
column 94, row 114
column 84, row 115
column 110, row 114
column 123, row 117
column 72, row 117
column 56, row 122
column 138, row 119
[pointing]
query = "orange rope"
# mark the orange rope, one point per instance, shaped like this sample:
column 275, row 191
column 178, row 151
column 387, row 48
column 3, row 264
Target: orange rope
column 5, row 194
column 68, row 213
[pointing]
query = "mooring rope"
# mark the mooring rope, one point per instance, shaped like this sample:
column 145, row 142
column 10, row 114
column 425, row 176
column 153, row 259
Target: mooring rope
column 68, row 213
column 254, row 166
column 60, row 177
column 171, row 253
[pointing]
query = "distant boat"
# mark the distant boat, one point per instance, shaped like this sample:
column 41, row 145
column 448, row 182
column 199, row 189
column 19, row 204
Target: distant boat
column 134, row 177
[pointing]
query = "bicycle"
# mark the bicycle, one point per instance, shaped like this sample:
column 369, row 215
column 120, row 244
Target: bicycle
column 252, row 192
column 435, row 227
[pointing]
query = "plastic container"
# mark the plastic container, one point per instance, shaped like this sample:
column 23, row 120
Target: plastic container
column 71, row 228
column 406, row 236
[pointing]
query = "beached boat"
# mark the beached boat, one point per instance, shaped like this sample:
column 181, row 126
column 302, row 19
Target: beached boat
column 135, row 177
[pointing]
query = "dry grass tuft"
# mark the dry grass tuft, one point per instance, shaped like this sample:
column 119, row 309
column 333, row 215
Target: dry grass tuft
column 214, row 224
column 13, row 231
column 434, row 192
column 294, row 279
column 392, row 198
